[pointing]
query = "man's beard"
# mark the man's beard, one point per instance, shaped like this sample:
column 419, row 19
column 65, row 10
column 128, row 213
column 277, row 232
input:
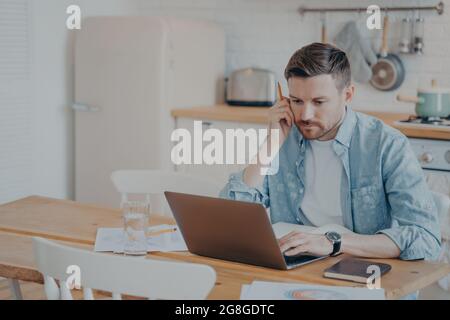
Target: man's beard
column 303, row 127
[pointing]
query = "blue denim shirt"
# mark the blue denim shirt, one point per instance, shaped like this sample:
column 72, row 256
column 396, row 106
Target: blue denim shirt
column 383, row 189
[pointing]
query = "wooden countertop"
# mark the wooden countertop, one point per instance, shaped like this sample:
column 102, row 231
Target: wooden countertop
column 259, row 115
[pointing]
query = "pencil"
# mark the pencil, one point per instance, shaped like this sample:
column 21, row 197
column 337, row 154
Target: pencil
column 280, row 93
column 157, row 233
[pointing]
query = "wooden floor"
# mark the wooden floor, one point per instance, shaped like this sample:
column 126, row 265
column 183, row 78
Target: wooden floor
column 35, row 291
column 30, row 291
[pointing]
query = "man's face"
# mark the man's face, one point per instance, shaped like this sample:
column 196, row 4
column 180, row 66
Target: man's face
column 317, row 104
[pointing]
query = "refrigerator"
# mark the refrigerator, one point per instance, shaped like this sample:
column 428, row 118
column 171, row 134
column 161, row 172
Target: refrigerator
column 129, row 73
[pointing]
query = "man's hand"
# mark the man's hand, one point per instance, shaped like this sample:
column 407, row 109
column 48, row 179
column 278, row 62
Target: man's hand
column 296, row 242
column 281, row 117
column 361, row 245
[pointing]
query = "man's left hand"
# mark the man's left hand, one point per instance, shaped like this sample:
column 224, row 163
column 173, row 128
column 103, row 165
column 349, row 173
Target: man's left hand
column 296, row 242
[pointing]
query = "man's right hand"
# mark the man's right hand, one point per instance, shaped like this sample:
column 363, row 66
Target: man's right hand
column 281, row 117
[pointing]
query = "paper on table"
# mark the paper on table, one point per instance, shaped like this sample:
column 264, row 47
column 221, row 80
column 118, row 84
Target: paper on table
column 112, row 239
column 166, row 242
column 109, row 239
column 262, row 290
column 244, row 291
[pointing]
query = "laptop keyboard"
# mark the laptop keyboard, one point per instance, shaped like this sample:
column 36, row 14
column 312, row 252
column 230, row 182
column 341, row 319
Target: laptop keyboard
column 296, row 260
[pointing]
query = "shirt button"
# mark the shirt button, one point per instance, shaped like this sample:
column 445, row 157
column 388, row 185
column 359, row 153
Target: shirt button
column 301, row 190
column 297, row 163
column 298, row 219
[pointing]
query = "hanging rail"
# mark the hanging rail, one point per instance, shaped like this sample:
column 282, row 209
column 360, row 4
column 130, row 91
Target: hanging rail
column 439, row 8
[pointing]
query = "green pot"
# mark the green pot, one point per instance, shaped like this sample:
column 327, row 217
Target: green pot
column 433, row 102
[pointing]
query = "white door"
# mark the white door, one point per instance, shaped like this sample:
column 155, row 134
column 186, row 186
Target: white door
column 119, row 64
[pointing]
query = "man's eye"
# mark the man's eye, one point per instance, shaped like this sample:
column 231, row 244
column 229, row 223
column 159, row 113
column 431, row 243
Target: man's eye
column 297, row 101
column 319, row 102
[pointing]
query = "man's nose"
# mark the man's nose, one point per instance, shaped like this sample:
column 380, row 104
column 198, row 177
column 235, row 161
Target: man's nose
column 307, row 113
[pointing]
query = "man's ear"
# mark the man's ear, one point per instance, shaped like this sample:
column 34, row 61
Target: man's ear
column 349, row 91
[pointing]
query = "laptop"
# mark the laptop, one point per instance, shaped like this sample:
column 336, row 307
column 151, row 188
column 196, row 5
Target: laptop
column 231, row 230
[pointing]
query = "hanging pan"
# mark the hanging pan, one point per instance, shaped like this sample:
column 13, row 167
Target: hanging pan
column 388, row 72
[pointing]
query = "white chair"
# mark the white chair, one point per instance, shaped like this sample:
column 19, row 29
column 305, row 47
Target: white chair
column 133, row 276
column 155, row 182
column 443, row 207
column 14, row 287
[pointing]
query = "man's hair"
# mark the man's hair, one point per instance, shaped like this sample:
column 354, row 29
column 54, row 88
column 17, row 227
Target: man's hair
column 320, row 58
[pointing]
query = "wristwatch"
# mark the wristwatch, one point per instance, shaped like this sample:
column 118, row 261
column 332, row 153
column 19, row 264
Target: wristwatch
column 335, row 239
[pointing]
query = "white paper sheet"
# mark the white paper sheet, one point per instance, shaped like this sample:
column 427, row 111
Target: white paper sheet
column 112, row 240
column 167, row 242
column 262, row 290
column 244, row 291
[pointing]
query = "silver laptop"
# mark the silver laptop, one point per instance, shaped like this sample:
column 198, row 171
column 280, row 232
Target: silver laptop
column 231, row 230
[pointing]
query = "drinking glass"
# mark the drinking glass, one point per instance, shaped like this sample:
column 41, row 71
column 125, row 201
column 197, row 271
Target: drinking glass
column 135, row 217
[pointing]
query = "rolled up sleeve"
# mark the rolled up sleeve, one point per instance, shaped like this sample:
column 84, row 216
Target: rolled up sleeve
column 414, row 218
column 236, row 189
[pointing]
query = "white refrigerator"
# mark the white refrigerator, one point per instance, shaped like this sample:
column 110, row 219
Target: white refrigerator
column 129, row 73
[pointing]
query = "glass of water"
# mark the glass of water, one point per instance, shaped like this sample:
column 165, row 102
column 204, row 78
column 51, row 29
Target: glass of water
column 135, row 217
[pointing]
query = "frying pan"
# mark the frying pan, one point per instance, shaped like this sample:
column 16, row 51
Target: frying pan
column 388, row 73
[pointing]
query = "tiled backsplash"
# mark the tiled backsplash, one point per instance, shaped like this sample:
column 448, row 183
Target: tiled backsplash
column 264, row 33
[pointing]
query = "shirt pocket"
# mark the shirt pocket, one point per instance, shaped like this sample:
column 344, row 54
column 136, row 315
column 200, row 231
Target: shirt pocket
column 369, row 208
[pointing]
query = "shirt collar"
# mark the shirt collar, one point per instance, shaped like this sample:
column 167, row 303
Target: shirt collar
column 345, row 132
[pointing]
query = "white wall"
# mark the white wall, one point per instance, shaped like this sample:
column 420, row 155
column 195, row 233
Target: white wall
column 36, row 156
column 264, row 33
column 15, row 100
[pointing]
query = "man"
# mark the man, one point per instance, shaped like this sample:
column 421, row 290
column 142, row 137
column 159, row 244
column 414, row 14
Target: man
column 337, row 166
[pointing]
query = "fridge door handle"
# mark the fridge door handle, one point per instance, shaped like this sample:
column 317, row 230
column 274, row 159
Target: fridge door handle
column 84, row 107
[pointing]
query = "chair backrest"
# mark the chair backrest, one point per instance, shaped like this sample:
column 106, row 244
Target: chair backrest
column 155, row 182
column 148, row 278
column 443, row 205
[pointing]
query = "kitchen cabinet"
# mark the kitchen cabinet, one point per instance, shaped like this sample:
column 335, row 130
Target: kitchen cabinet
column 216, row 172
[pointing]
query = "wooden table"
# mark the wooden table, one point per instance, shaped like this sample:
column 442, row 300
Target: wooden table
column 76, row 224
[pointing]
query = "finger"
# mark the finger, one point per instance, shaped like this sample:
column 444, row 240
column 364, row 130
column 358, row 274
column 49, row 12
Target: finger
column 287, row 117
column 288, row 236
column 296, row 250
column 282, row 115
column 292, row 235
column 289, row 110
column 292, row 243
column 282, row 103
column 285, row 109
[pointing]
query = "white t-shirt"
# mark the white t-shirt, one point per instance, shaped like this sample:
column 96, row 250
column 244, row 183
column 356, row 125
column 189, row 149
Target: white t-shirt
column 323, row 172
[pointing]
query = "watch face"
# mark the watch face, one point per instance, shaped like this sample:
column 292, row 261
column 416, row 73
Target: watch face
column 334, row 236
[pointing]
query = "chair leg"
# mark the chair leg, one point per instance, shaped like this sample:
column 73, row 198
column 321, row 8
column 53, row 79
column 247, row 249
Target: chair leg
column 14, row 286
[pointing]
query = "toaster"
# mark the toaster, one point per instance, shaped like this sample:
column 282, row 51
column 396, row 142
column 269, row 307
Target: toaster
column 251, row 87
